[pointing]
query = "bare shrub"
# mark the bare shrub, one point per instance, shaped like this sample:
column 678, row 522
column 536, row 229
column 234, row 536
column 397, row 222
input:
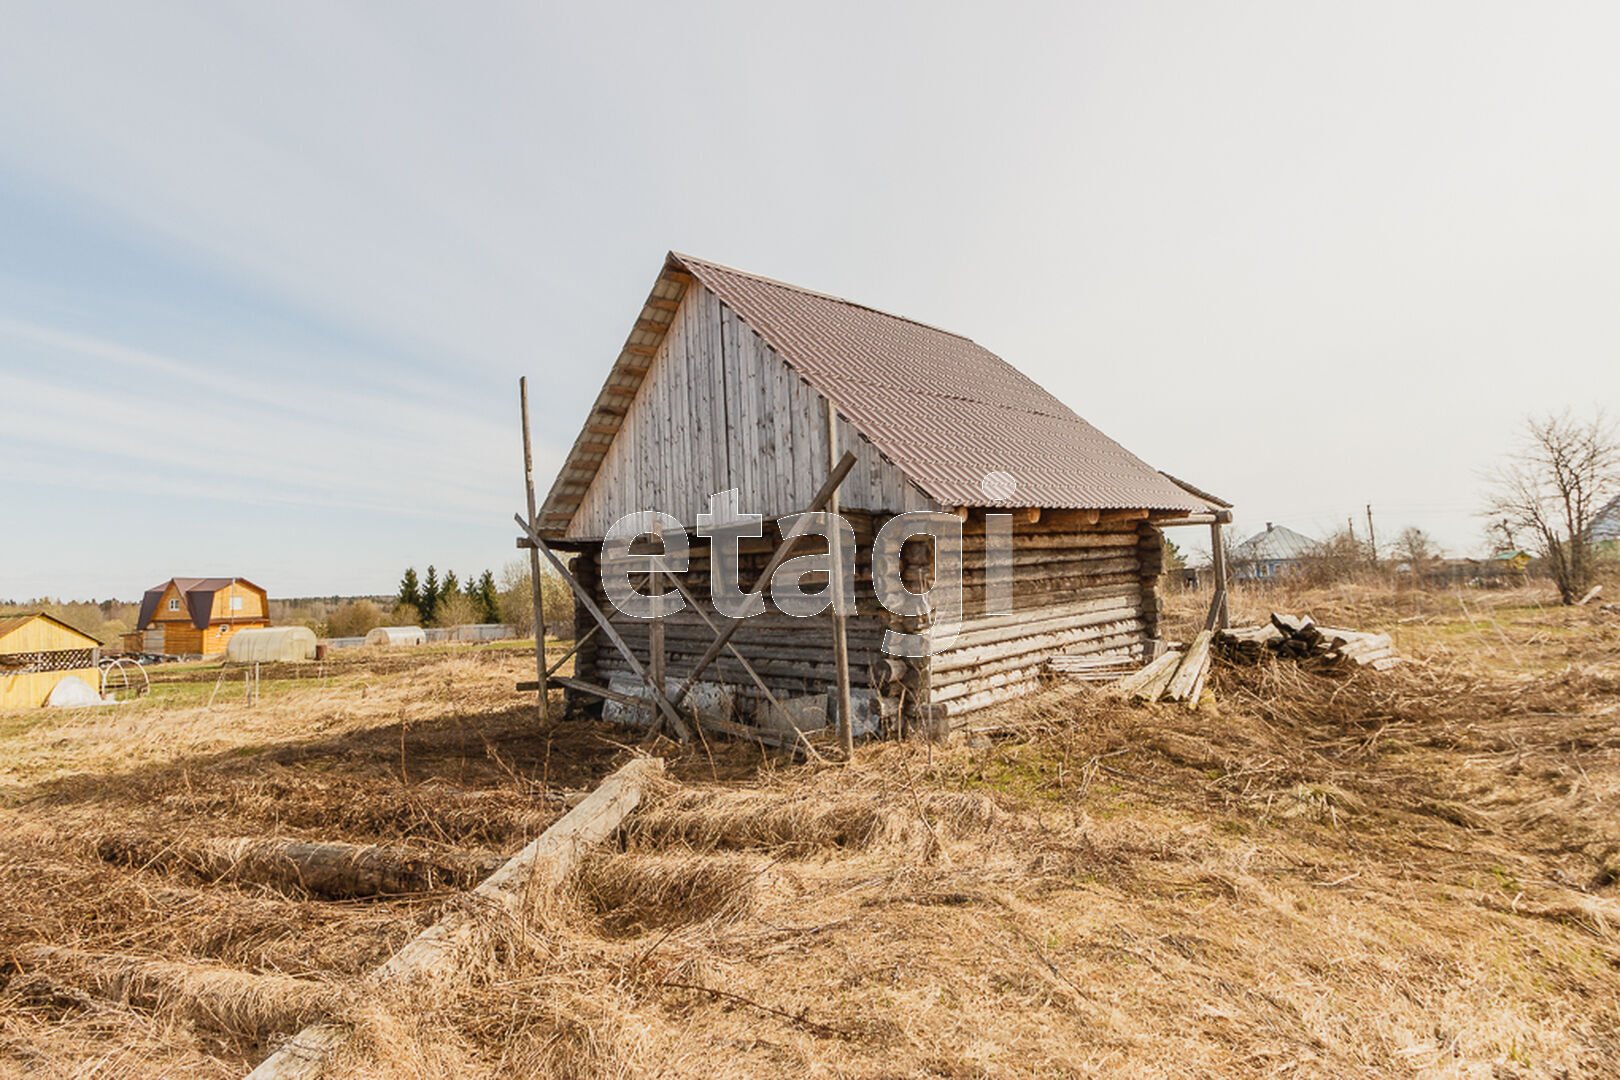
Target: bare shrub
column 357, row 618
column 1341, row 557
column 517, row 599
column 1552, row 489
column 455, row 609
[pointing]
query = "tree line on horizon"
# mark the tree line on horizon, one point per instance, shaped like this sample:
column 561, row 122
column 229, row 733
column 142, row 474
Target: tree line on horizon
column 449, row 602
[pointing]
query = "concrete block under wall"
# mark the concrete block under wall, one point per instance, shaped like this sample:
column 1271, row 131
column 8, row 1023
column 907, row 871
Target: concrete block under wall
column 711, row 701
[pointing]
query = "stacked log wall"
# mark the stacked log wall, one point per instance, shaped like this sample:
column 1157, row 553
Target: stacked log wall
column 792, row 655
column 1077, row 589
column 1088, row 590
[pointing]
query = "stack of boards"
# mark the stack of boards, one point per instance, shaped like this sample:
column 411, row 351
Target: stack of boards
column 1178, row 675
column 1296, row 637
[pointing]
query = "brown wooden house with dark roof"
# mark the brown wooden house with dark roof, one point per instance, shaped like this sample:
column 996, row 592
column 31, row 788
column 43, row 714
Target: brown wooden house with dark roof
column 197, row 616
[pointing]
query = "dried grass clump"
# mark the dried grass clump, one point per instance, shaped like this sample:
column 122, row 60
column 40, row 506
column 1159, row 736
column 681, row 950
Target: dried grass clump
column 631, row 893
column 707, row 820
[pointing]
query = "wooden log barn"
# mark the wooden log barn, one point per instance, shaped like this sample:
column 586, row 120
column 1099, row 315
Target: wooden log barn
column 730, row 380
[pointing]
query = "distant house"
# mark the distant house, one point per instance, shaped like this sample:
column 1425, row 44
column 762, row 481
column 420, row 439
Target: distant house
column 38, row 651
column 1510, row 562
column 1606, row 527
column 1271, row 554
column 198, row 615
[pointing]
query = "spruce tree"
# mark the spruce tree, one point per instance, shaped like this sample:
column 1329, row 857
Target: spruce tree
column 430, row 596
column 489, row 599
column 410, row 592
column 450, row 585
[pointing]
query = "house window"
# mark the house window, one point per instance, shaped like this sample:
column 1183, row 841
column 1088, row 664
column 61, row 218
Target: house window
column 236, row 603
column 174, row 605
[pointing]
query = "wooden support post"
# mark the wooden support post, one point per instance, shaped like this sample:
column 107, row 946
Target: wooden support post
column 676, row 724
column 655, row 630
column 785, row 548
column 510, row 892
column 1219, row 617
column 543, row 710
column 846, row 712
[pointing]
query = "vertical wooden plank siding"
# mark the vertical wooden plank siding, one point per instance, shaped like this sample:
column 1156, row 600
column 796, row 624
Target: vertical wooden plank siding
column 718, row 408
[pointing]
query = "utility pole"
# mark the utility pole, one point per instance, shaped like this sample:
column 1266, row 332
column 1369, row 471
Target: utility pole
column 1372, row 537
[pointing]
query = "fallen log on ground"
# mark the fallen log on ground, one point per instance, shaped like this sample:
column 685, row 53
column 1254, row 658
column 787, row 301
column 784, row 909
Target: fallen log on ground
column 507, row 896
column 335, row 871
column 224, row 998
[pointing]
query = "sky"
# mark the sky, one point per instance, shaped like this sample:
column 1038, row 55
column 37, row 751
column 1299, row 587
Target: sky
column 269, row 273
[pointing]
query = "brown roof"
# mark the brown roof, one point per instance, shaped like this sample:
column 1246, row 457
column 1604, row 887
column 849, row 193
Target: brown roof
column 196, row 593
column 945, row 410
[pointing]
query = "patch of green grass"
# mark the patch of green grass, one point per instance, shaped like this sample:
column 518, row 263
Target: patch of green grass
column 1023, row 773
column 21, row 721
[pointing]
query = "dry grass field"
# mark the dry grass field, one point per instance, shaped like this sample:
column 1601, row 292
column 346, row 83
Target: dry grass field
column 1408, row 874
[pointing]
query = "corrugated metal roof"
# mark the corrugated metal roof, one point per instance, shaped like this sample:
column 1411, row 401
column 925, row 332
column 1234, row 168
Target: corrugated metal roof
column 1277, row 542
column 947, row 411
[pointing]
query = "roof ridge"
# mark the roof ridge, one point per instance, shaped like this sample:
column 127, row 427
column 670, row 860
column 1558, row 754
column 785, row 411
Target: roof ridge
column 788, row 285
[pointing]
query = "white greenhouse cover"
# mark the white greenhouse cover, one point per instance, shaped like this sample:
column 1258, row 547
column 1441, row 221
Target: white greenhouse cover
column 73, row 693
column 396, row 635
column 271, row 644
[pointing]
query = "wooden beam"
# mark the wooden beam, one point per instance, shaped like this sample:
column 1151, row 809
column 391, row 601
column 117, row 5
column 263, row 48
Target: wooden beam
column 676, row 724
column 840, row 623
column 1220, row 616
column 561, row 660
column 596, row 691
column 828, row 486
column 542, row 705
column 512, row 891
column 655, row 630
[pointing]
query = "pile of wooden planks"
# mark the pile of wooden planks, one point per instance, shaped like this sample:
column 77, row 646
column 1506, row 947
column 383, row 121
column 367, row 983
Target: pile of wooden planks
column 1178, row 675
column 1298, row 637
column 1083, row 668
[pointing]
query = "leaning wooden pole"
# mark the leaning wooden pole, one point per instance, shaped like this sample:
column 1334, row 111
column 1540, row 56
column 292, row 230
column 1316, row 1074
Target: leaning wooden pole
column 507, row 893
column 835, row 566
column 544, row 707
column 676, row 724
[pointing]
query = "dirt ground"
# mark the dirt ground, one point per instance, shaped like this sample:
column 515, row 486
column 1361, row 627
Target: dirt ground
column 1408, row 874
